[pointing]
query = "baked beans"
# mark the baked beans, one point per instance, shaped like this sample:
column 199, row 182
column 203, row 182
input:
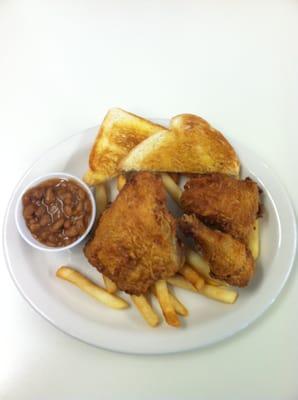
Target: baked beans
column 57, row 211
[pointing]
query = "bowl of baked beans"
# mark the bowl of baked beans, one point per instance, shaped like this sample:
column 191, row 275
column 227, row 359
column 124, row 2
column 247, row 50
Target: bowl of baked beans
column 55, row 212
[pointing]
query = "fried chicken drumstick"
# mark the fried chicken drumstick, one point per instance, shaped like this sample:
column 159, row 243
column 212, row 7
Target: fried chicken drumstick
column 229, row 259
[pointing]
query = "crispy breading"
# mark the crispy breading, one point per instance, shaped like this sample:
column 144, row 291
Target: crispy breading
column 223, row 202
column 229, row 259
column 135, row 242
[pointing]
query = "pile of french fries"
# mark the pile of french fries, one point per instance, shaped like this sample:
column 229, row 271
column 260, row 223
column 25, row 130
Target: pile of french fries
column 194, row 275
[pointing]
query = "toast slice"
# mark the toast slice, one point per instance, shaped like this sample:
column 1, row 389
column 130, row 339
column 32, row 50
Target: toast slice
column 191, row 145
column 118, row 134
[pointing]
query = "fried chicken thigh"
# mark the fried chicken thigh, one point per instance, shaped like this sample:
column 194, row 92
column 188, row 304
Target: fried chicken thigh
column 223, row 202
column 229, row 258
column 135, row 242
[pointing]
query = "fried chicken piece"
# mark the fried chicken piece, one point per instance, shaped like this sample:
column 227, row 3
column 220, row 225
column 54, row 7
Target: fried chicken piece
column 229, row 259
column 223, row 202
column 135, row 242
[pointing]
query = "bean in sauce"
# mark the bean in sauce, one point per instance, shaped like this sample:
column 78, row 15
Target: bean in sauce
column 57, row 211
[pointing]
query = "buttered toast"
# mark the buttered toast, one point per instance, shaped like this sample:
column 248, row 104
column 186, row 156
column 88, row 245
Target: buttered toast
column 191, row 145
column 118, row 134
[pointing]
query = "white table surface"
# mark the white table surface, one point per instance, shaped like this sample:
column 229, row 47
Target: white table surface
column 62, row 65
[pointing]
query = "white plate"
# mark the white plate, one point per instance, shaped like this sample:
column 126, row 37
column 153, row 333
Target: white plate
column 82, row 317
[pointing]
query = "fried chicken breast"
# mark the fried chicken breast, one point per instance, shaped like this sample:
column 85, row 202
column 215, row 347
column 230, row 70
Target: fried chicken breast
column 135, row 242
column 229, row 259
column 223, row 202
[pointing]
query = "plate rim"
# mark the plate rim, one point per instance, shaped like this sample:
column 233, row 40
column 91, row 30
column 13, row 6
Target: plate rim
column 252, row 319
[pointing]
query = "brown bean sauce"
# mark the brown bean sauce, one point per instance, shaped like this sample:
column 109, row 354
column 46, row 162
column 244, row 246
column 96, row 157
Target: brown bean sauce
column 57, row 211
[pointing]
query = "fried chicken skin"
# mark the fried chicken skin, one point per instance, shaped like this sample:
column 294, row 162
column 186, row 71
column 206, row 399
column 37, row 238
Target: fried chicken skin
column 226, row 203
column 135, row 242
column 229, row 259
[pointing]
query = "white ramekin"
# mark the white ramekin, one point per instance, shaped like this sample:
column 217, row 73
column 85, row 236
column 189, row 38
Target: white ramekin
column 21, row 224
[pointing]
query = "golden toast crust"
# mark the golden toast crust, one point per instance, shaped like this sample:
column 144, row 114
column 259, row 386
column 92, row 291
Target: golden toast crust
column 117, row 135
column 191, row 145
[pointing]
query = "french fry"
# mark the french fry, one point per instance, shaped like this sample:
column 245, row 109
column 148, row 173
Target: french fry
column 145, row 309
column 213, row 282
column 175, row 176
column 219, row 293
column 91, row 288
column 216, row 282
column 192, row 276
column 171, row 187
column 121, row 181
column 110, row 285
column 181, row 282
column 101, row 199
column 197, row 262
column 178, row 306
column 254, row 240
column 165, row 302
